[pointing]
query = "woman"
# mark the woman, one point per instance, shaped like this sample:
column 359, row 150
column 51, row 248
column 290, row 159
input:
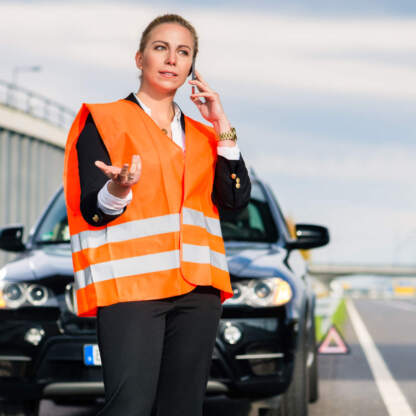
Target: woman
column 147, row 247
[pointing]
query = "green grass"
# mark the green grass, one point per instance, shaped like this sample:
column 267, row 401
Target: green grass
column 318, row 323
column 340, row 316
column 338, row 319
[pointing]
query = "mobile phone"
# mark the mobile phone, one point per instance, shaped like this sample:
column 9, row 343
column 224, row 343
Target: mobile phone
column 193, row 69
column 193, row 76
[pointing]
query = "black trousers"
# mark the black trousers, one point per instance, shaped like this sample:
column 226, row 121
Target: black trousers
column 156, row 354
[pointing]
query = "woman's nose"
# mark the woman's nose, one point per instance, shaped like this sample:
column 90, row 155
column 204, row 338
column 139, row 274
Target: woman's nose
column 171, row 58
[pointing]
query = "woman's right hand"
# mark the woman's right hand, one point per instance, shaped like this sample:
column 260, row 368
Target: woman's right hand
column 122, row 179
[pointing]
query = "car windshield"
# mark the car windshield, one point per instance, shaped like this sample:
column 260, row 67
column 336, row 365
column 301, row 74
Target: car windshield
column 54, row 227
column 254, row 223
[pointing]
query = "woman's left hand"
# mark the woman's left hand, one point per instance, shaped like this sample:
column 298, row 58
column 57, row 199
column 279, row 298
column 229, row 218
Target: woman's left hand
column 211, row 109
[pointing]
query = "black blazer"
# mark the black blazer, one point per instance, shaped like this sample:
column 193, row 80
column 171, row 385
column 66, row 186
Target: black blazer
column 90, row 148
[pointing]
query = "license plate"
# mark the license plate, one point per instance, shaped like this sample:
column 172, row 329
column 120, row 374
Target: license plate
column 92, row 354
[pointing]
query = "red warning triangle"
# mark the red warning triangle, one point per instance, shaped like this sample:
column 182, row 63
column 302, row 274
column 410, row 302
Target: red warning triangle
column 333, row 343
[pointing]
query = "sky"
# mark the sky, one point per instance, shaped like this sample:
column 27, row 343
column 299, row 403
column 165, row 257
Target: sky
column 322, row 95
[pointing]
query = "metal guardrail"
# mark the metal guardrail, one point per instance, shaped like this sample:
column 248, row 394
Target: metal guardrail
column 35, row 104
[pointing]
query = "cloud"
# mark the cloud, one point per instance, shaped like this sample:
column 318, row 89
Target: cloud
column 320, row 55
column 386, row 164
column 252, row 52
column 363, row 233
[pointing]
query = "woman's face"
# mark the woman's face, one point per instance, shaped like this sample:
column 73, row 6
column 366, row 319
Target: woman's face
column 167, row 57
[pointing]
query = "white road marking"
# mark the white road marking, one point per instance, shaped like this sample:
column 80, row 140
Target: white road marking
column 390, row 392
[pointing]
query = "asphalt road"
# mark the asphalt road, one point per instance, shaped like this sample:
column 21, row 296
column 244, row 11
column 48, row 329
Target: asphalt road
column 347, row 383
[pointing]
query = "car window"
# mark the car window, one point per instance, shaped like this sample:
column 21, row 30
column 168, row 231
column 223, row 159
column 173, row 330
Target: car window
column 282, row 216
column 253, row 223
column 54, row 228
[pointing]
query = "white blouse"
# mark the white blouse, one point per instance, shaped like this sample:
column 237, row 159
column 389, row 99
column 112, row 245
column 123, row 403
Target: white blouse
column 112, row 205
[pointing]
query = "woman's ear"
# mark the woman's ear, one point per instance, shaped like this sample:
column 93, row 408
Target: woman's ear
column 138, row 59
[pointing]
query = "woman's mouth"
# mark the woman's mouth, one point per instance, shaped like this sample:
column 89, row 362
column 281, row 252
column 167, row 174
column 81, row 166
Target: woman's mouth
column 167, row 74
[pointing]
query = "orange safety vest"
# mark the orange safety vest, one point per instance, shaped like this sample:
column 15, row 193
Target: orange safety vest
column 169, row 238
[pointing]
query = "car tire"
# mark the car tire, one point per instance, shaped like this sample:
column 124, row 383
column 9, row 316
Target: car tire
column 296, row 398
column 313, row 370
column 26, row 408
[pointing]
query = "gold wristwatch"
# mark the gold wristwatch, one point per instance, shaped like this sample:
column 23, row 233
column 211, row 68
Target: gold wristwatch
column 228, row 135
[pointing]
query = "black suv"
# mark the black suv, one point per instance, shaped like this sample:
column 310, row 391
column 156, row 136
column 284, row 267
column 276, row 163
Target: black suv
column 265, row 354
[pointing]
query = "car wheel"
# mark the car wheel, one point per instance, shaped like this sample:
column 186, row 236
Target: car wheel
column 295, row 400
column 313, row 370
column 26, row 408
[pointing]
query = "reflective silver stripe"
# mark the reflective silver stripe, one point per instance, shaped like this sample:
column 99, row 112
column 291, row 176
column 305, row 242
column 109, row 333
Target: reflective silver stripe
column 204, row 255
column 127, row 267
column 126, row 231
column 194, row 217
column 83, row 278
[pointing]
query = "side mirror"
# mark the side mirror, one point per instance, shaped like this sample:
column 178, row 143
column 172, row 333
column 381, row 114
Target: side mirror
column 11, row 238
column 309, row 236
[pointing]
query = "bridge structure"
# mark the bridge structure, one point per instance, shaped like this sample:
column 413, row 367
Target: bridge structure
column 327, row 272
column 401, row 278
column 33, row 131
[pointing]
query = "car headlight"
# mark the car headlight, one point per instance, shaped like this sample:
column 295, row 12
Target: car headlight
column 267, row 292
column 37, row 294
column 13, row 295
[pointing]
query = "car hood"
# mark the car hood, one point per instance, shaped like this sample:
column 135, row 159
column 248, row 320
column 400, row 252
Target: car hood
column 262, row 261
column 40, row 263
column 243, row 261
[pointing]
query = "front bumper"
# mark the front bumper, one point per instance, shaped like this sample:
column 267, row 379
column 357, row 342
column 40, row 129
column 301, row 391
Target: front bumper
column 258, row 365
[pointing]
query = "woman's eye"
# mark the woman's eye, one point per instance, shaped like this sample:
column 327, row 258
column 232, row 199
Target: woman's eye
column 159, row 46
column 185, row 52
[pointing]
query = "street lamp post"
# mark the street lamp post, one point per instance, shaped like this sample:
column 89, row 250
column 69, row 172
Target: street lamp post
column 15, row 73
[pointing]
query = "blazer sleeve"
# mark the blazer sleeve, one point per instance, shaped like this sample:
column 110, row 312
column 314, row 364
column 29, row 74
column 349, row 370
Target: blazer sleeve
column 90, row 147
column 225, row 194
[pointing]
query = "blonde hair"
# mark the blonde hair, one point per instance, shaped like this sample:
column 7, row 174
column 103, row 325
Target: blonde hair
column 168, row 18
